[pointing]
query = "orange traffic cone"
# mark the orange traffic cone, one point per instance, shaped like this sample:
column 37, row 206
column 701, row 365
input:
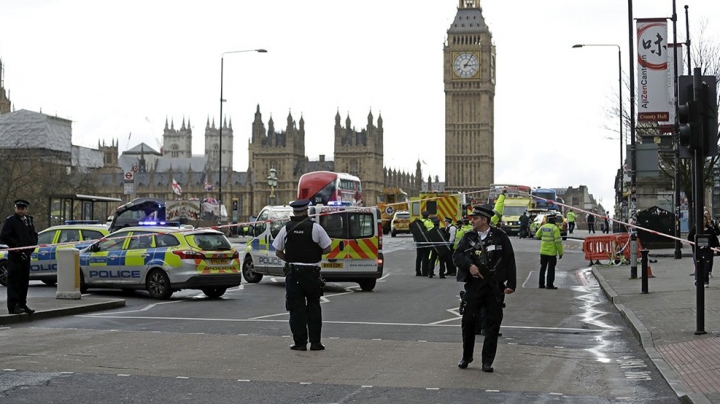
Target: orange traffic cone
column 650, row 274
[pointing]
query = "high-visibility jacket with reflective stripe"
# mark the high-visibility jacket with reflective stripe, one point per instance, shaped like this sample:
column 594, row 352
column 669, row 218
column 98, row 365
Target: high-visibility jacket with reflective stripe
column 550, row 240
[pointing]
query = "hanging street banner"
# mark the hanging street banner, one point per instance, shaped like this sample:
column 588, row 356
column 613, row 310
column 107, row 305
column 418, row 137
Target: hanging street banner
column 669, row 127
column 652, row 48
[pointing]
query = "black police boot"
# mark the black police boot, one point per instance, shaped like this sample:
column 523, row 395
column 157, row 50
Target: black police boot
column 463, row 364
column 299, row 347
column 16, row 310
column 316, row 346
column 486, row 367
column 28, row 310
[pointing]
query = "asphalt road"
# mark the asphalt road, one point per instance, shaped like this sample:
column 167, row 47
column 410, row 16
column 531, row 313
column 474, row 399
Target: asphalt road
column 397, row 344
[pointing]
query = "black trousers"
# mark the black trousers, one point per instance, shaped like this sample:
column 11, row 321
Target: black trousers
column 547, row 262
column 446, row 265
column 571, row 227
column 479, row 296
column 303, row 289
column 422, row 261
column 591, row 227
column 18, row 278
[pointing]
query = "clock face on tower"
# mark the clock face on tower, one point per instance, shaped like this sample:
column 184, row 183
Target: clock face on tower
column 466, row 65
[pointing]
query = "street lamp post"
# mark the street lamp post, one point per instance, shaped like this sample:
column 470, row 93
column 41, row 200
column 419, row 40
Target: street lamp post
column 222, row 58
column 620, row 109
column 272, row 182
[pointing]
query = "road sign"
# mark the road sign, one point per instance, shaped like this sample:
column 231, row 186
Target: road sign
column 129, row 176
column 129, row 188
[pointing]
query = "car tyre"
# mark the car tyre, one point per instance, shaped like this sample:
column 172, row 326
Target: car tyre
column 158, row 284
column 3, row 273
column 248, row 271
column 83, row 286
column 367, row 285
column 214, row 293
column 393, row 233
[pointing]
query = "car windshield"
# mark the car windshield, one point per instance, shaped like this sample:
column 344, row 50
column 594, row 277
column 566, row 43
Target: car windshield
column 211, row 241
column 514, row 210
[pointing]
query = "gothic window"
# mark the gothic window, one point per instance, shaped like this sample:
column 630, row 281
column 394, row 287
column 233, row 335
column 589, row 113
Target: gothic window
column 174, row 151
column 492, row 68
column 214, row 151
column 354, row 168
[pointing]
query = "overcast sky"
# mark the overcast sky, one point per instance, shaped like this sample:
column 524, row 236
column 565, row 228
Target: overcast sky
column 121, row 67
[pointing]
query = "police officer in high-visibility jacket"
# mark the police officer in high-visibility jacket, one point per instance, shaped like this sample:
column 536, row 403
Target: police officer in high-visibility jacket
column 301, row 244
column 551, row 249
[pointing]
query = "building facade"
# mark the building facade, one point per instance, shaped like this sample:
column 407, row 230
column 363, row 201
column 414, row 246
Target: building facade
column 469, row 78
column 356, row 151
column 4, row 100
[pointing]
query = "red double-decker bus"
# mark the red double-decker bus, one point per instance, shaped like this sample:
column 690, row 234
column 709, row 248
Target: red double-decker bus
column 327, row 188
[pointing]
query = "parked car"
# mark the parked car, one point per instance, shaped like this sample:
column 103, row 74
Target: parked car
column 161, row 260
column 400, row 223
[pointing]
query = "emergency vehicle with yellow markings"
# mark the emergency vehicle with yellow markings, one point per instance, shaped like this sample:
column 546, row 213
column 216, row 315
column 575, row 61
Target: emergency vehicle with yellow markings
column 161, row 260
column 439, row 204
column 355, row 253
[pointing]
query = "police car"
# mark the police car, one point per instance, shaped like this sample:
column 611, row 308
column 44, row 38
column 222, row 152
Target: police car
column 161, row 260
column 355, row 253
column 43, row 263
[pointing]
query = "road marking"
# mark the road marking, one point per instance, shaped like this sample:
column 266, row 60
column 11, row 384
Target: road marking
column 146, row 308
column 247, row 320
column 123, row 375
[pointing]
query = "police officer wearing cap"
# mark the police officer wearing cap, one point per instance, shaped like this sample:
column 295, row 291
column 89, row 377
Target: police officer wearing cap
column 19, row 231
column 486, row 264
column 301, row 244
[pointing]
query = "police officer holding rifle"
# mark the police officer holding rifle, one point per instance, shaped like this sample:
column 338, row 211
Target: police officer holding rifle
column 301, row 244
column 486, row 264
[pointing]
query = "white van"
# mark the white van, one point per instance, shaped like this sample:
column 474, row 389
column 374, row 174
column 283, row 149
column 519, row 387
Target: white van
column 355, row 253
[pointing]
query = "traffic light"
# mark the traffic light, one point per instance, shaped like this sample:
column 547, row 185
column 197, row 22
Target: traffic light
column 689, row 130
column 709, row 117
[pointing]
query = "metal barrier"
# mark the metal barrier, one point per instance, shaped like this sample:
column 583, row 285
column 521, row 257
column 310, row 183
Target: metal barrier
column 614, row 248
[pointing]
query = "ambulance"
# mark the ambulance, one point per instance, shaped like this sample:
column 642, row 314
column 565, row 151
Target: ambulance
column 356, row 249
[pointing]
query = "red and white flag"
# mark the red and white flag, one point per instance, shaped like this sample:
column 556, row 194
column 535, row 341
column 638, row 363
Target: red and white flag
column 176, row 188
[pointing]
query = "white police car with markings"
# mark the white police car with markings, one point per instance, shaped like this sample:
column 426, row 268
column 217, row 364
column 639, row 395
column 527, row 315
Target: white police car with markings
column 43, row 263
column 355, row 253
column 161, row 260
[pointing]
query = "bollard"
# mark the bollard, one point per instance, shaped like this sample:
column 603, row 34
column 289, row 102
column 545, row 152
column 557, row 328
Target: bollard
column 644, row 263
column 68, row 274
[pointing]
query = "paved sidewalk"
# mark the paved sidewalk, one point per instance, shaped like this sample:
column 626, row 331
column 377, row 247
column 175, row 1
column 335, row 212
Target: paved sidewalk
column 665, row 321
column 50, row 307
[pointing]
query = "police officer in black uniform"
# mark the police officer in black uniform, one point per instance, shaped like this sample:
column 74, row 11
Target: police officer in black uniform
column 486, row 263
column 19, row 231
column 301, row 244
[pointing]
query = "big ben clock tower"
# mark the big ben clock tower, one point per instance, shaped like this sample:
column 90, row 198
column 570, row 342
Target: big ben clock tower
column 469, row 77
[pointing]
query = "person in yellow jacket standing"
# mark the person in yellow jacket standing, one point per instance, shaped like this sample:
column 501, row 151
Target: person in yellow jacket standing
column 571, row 221
column 551, row 249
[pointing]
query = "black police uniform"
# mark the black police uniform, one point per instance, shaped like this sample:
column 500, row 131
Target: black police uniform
column 488, row 293
column 18, row 231
column 303, row 284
